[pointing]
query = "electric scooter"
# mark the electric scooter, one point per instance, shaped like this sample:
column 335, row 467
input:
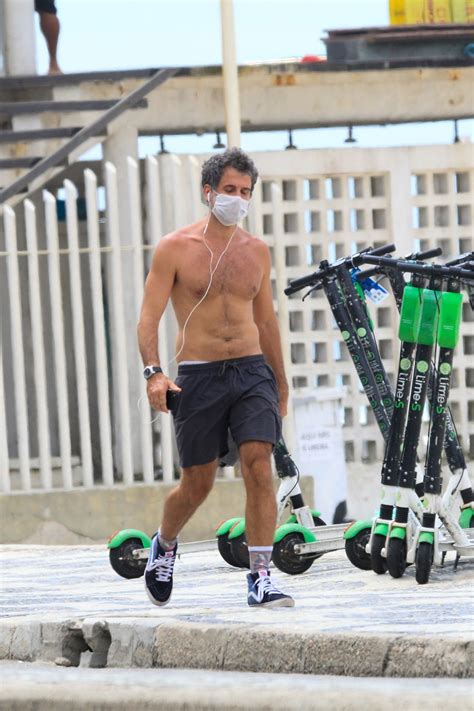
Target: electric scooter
column 349, row 310
column 432, row 542
column 304, row 524
column 403, row 543
column 299, row 541
column 129, row 548
column 409, row 303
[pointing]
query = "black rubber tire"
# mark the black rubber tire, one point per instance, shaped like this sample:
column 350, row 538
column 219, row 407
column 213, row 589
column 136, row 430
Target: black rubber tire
column 355, row 550
column 122, row 562
column 240, row 554
column 379, row 563
column 286, row 559
column 239, row 551
column 397, row 557
column 225, row 550
column 423, row 562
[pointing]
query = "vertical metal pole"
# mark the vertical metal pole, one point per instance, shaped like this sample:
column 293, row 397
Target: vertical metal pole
column 79, row 333
column 282, row 304
column 4, row 459
column 230, row 74
column 121, row 376
column 39, row 360
column 139, row 280
column 155, row 232
column 21, row 403
column 17, row 28
column 101, row 361
column 57, row 322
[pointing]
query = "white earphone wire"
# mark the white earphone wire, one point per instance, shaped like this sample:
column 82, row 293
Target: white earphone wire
column 211, row 277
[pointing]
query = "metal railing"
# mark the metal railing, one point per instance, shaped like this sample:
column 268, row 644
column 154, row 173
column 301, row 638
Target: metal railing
column 61, row 155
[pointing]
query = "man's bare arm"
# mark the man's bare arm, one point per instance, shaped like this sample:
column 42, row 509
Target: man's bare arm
column 269, row 332
column 158, row 287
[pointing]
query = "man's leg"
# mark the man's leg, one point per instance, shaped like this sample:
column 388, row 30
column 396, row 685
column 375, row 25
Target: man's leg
column 261, row 507
column 49, row 25
column 260, row 522
column 193, row 488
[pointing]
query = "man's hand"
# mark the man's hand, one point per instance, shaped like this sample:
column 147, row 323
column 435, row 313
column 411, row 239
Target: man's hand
column 283, row 393
column 156, row 388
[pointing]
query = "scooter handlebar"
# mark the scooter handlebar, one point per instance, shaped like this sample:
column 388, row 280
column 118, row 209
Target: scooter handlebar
column 380, row 251
column 415, row 257
column 426, row 254
column 461, row 259
column 353, row 261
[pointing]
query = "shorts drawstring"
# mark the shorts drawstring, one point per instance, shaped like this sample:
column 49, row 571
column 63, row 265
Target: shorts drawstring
column 228, row 364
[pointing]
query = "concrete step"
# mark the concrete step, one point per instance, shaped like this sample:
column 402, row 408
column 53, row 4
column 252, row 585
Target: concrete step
column 41, row 687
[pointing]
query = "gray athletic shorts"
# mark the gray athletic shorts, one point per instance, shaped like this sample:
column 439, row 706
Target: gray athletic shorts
column 239, row 396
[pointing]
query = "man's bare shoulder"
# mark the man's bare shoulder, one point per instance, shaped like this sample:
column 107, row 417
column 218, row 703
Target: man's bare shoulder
column 174, row 240
column 258, row 246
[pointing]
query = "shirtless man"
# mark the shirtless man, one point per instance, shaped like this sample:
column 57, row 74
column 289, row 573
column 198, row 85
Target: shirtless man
column 230, row 374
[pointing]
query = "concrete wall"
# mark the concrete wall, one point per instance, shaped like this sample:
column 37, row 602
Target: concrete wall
column 92, row 515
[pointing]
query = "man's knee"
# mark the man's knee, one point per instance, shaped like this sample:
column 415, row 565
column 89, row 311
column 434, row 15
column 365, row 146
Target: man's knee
column 256, row 464
column 197, row 482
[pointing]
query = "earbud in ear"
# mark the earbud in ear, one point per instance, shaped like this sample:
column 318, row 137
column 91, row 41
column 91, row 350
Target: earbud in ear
column 208, row 197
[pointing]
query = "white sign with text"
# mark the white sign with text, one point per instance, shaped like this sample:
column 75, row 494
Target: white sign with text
column 320, row 449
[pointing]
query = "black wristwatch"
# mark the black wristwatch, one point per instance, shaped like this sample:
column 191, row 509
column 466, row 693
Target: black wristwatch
column 151, row 370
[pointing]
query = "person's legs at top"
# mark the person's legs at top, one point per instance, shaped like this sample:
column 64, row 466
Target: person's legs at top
column 260, row 522
column 50, row 27
column 181, row 503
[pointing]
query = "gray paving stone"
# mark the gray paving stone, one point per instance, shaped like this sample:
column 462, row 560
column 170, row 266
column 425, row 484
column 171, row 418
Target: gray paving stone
column 346, row 621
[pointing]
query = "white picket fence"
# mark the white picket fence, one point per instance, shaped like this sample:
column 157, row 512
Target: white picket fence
column 50, row 270
column 71, row 288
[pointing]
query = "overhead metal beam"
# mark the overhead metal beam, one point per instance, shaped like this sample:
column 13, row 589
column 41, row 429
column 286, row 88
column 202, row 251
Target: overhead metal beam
column 289, row 96
column 15, row 108
column 42, row 134
column 299, row 95
column 11, row 163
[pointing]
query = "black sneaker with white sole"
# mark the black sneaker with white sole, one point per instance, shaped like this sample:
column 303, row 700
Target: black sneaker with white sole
column 159, row 572
column 263, row 593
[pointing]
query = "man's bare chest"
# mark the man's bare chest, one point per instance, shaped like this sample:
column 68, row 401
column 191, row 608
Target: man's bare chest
column 237, row 275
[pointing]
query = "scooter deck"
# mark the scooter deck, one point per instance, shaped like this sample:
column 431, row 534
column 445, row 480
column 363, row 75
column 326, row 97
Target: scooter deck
column 330, row 538
column 192, row 547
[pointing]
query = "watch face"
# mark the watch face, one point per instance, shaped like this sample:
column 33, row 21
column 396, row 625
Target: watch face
column 151, row 370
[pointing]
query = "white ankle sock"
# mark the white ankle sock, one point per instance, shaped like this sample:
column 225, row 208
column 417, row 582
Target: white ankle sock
column 260, row 557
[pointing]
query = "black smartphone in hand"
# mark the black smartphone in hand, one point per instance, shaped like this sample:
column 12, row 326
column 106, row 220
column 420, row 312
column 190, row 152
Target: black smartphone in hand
column 172, row 397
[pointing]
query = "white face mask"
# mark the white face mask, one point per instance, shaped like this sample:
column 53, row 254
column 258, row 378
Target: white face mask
column 229, row 209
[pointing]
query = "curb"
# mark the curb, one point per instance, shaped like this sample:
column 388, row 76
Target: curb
column 174, row 644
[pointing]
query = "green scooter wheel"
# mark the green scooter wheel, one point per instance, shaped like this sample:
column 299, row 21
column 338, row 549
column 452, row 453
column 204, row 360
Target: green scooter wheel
column 379, row 563
column 424, row 562
column 356, row 550
column 397, row 557
column 123, row 562
column 225, row 549
column 286, row 559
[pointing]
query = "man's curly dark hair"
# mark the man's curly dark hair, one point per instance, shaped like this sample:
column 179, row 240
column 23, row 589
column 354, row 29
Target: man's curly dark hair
column 214, row 167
